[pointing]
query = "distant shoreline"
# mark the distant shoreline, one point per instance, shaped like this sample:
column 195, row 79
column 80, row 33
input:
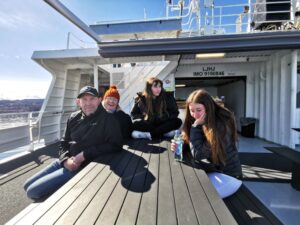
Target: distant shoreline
column 16, row 106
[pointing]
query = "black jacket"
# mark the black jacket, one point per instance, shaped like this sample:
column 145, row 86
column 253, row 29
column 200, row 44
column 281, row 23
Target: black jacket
column 200, row 150
column 95, row 135
column 139, row 109
column 125, row 123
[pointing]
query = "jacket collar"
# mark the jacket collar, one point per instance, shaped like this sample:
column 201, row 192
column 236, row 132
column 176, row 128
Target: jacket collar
column 99, row 110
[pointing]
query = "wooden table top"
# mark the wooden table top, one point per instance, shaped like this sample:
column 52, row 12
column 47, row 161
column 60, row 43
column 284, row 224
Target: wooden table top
column 141, row 185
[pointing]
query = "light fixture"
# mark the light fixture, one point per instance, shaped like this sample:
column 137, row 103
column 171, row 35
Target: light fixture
column 180, row 85
column 210, row 55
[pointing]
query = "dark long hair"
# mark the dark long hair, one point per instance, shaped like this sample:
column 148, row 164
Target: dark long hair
column 218, row 122
column 161, row 105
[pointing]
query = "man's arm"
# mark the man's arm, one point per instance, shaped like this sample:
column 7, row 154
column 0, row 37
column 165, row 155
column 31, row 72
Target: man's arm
column 64, row 147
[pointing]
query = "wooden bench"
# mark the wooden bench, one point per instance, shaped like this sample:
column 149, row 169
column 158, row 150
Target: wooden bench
column 247, row 209
column 294, row 157
column 141, row 185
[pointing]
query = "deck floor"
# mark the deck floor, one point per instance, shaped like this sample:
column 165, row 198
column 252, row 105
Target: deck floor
column 263, row 172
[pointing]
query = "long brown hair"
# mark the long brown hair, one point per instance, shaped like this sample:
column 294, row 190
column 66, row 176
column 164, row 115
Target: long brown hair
column 161, row 106
column 218, row 121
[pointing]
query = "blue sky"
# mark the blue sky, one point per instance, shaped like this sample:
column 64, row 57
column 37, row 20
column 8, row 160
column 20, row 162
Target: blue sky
column 29, row 25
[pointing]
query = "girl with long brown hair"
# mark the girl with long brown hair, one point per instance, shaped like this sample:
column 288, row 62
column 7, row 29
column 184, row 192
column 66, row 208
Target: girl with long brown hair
column 155, row 112
column 211, row 133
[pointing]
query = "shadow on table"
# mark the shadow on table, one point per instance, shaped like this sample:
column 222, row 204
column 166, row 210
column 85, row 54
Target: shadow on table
column 146, row 146
column 132, row 170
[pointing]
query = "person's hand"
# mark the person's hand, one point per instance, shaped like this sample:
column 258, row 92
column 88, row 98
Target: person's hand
column 173, row 146
column 70, row 165
column 79, row 158
column 200, row 120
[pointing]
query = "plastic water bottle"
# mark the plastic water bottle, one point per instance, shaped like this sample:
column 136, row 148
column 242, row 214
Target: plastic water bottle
column 178, row 141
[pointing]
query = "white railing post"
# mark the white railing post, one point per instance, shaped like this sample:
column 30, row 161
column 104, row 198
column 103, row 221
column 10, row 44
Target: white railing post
column 31, row 126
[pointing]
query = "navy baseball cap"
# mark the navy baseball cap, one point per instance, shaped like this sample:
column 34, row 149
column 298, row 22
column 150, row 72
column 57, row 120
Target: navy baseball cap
column 88, row 90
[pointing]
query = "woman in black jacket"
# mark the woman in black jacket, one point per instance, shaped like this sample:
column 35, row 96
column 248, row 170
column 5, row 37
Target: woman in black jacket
column 110, row 102
column 155, row 112
column 211, row 133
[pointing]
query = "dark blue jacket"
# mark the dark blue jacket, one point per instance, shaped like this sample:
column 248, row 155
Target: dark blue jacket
column 200, row 150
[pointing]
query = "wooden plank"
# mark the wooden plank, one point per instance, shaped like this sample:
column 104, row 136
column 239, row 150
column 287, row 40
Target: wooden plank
column 95, row 207
column 148, row 207
column 205, row 214
column 52, row 215
column 219, row 207
column 184, row 207
column 112, row 208
column 129, row 211
column 166, row 212
column 80, row 203
column 21, row 214
column 39, row 211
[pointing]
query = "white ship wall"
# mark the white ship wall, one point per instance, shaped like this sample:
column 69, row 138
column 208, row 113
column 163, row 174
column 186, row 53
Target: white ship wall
column 59, row 102
column 271, row 87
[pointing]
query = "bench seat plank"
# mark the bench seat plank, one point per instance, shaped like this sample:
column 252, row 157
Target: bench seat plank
column 129, row 211
column 205, row 215
column 63, row 204
column 21, row 214
column 224, row 216
column 79, row 205
column 38, row 212
column 166, row 203
column 110, row 213
column 184, row 207
column 95, row 207
column 148, row 210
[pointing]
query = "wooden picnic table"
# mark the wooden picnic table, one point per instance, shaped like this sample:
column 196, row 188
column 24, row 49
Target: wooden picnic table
column 141, row 185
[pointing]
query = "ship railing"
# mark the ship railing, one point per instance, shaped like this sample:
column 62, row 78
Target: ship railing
column 201, row 18
column 25, row 132
column 242, row 18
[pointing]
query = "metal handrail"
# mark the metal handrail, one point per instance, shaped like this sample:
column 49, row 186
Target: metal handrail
column 33, row 123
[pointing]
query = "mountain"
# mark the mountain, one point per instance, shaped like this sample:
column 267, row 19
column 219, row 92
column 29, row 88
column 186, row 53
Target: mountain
column 25, row 105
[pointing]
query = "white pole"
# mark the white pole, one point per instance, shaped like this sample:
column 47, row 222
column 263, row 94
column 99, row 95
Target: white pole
column 167, row 9
column 283, row 126
column 249, row 16
column 68, row 40
column 145, row 15
column 268, row 100
column 293, row 97
column 96, row 83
